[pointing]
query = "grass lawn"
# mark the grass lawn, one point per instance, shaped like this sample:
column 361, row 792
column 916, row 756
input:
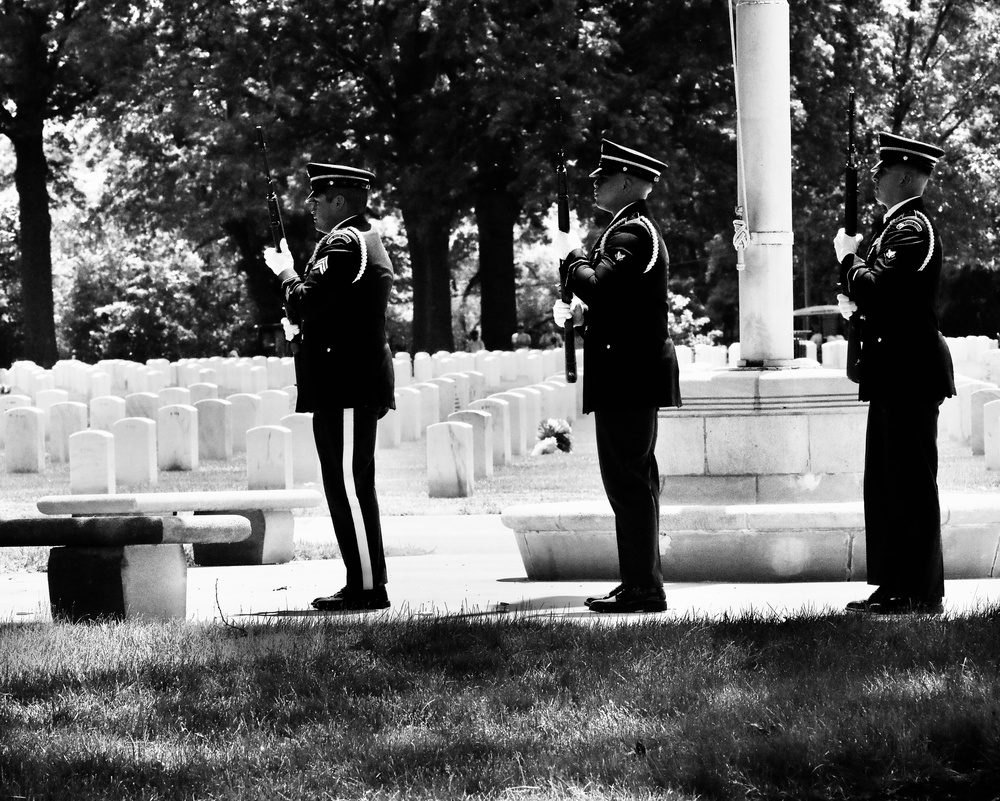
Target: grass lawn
column 497, row 706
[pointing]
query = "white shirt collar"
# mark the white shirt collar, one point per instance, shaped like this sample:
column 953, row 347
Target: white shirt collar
column 894, row 209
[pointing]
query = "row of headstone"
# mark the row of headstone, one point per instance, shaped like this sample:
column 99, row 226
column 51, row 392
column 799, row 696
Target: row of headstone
column 976, row 357
column 121, row 377
column 100, row 460
column 62, row 416
column 154, row 437
column 966, row 416
column 472, row 442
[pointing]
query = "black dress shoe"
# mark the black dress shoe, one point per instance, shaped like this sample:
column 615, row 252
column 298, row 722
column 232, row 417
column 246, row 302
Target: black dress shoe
column 894, row 605
column 351, row 600
column 633, row 599
column 614, row 593
column 907, row 606
column 879, row 596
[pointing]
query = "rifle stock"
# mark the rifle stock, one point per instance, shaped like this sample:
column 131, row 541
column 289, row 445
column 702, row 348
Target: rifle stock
column 565, row 292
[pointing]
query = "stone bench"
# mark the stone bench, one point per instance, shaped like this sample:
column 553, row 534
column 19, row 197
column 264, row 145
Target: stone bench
column 269, row 512
column 744, row 544
column 120, row 567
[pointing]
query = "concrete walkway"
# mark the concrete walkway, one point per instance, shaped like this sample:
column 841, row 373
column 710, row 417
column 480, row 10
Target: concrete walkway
column 469, row 565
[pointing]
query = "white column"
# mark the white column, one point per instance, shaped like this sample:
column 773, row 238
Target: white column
column 765, row 178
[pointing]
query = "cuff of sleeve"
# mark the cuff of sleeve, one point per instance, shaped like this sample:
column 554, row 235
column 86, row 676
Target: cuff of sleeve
column 287, row 275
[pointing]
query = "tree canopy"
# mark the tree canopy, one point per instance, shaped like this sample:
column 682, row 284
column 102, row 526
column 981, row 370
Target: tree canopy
column 450, row 103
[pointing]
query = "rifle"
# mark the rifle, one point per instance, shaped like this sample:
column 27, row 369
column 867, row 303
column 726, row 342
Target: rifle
column 851, row 228
column 274, row 213
column 565, row 292
column 273, row 207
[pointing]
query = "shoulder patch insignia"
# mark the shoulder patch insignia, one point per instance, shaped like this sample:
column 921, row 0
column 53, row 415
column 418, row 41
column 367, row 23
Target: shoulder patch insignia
column 910, row 223
column 321, row 265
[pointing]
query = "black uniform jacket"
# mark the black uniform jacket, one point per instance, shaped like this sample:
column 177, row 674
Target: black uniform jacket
column 629, row 359
column 340, row 300
column 895, row 288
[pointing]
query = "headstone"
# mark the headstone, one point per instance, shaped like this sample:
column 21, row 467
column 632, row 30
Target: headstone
column 305, row 459
column 273, row 406
column 390, row 432
column 105, row 411
column 408, row 409
column 482, row 439
column 175, row 396
column 215, row 429
column 258, row 379
column 25, row 447
column 499, row 411
column 977, row 400
column 991, row 434
column 269, row 458
column 135, row 451
column 142, row 404
column 450, row 469
column 519, row 428
column 202, row 390
column 45, row 399
column 430, row 403
column 9, row 402
column 92, row 463
column 98, row 384
column 246, row 415
column 446, row 396
column 177, row 437
column 65, row 419
column 423, row 367
column 463, row 389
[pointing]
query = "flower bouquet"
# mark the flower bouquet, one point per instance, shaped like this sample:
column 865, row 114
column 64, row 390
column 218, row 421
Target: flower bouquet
column 553, row 435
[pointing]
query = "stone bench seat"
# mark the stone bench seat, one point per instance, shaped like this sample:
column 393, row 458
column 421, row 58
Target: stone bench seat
column 746, row 543
column 269, row 513
column 120, row 567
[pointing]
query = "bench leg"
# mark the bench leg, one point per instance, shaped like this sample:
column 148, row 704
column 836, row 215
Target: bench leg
column 147, row 582
column 271, row 541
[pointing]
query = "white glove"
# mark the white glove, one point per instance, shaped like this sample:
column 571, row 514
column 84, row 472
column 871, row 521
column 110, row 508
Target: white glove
column 847, row 306
column 291, row 329
column 845, row 244
column 561, row 312
column 279, row 261
column 564, row 243
column 742, row 236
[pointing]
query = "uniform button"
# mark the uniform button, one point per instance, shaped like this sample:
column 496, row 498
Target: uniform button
column 880, row 339
column 608, row 347
column 328, row 350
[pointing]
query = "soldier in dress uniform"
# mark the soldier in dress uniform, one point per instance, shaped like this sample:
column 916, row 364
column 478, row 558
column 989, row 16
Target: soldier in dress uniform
column 344, row 367
column 630, row 368
column 905, row 373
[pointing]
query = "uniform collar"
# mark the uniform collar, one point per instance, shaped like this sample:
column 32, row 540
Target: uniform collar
column 916, row 201
column 635, row 207
column 357, row 221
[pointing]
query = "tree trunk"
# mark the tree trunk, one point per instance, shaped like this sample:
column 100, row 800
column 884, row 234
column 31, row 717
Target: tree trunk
column 429, row 232
column 496, row 215
column 34, row 238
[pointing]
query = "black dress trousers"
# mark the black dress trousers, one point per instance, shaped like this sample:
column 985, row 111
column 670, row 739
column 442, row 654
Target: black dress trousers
column 902, row 509
column 626, row 439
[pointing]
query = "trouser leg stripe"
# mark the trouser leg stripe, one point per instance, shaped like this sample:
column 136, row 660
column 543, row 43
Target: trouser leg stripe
column 352, row 498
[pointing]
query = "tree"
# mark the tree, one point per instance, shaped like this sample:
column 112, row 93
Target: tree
column 54, row 59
